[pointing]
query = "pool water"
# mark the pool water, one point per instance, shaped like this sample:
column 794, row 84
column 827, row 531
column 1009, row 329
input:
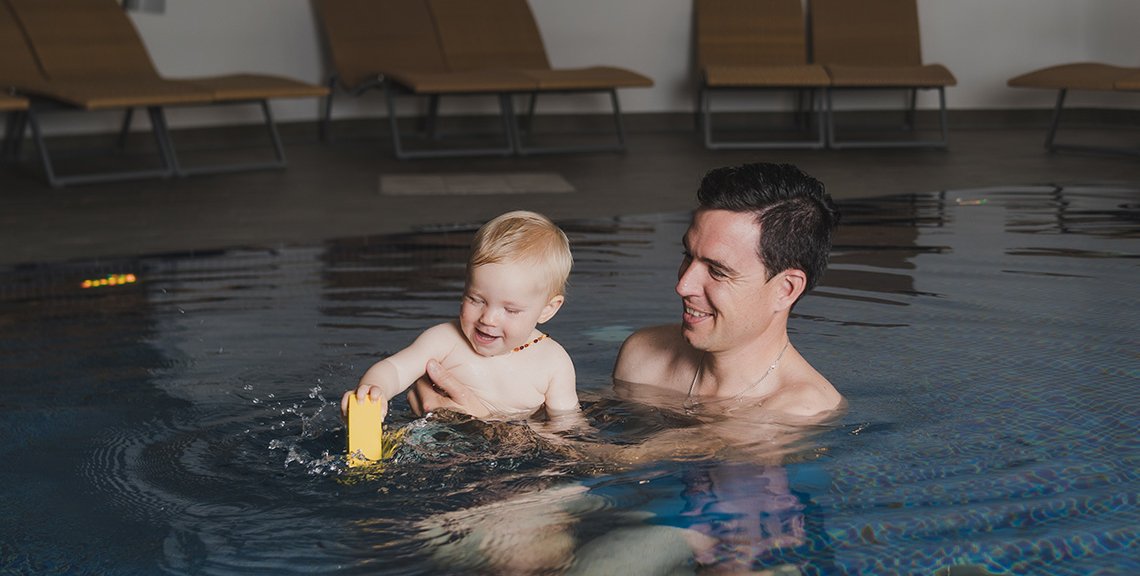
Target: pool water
column 183, row 419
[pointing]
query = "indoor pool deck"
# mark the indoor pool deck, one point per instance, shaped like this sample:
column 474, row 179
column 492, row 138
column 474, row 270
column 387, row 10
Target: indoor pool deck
column 333, row 190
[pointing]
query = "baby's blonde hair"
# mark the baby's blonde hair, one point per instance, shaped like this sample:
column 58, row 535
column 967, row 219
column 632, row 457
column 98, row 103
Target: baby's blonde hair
column 529, row 238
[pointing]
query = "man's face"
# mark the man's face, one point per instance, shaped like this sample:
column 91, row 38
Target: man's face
column 501, row 306
column 728, row 301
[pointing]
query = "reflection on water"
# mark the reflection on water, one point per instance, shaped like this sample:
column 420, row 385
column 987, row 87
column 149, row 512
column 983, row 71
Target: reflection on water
column 985, row 341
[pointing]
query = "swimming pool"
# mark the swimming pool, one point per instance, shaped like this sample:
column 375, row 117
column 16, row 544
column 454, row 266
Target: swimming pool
column 175, row 415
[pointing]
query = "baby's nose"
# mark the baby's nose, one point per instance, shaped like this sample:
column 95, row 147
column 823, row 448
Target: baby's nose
column 489, row 317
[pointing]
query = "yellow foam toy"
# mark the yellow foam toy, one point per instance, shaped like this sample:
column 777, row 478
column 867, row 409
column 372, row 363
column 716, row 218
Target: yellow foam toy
column 364, row 431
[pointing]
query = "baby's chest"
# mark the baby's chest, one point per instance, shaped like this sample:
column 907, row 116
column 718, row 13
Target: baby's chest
column 513, row 389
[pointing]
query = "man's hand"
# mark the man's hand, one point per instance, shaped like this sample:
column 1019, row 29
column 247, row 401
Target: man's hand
column 439, row 389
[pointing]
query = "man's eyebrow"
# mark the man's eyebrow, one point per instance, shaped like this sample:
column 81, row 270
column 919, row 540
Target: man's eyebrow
column 711, row 262
column 721, row 266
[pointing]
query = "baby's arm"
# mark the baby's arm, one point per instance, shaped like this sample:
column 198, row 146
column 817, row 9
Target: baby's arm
column 394, row 374
column 562, row 393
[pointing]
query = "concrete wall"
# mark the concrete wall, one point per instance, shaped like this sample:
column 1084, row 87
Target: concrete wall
column 984, row 42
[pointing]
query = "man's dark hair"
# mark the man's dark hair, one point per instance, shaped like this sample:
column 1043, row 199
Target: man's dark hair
column 795, row 214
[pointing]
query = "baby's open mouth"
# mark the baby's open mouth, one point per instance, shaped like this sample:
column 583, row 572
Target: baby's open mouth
column 483, row 337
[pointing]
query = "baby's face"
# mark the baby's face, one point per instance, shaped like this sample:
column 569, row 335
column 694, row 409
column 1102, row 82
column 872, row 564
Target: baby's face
column 501, row 306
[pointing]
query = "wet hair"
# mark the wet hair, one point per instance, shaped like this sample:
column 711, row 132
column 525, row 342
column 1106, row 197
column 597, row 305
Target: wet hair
column 796, row 216
column 528, row 238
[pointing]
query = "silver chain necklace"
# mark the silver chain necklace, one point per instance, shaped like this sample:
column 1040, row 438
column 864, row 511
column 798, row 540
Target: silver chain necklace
column 690, row 404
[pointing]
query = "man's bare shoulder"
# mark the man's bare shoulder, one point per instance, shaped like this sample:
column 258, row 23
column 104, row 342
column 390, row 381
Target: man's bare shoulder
column 656, row 336
column 810, row 395
column 652, row 356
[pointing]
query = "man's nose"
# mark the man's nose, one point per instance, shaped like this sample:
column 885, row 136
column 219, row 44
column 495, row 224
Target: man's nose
column 686, row 280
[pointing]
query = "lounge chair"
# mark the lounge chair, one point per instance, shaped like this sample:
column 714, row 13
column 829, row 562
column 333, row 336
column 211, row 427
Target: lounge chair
column 93, row 42
column 1092, row 76
column 503, row 35
column 20, row 71
column 875, row 45
column 755, row 45
column 392, row 45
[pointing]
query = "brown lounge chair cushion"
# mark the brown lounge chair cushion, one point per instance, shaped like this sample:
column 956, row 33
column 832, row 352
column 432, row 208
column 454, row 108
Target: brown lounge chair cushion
column 114, row 94
column 464, row 82
column 1077, row 76
column 806, row 75
column 256, row 87
column 12, row 103
column 1130, row 82
column 930, row 75
column 591, row 78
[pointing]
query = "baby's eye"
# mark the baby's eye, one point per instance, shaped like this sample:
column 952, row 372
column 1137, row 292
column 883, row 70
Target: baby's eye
column 513, row 311
column 473, row 299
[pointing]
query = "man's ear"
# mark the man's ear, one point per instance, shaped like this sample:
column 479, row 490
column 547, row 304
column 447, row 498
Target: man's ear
column 551, row 308
column 792, row 283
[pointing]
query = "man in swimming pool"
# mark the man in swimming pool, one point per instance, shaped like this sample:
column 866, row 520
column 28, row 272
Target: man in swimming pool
column 758, row 241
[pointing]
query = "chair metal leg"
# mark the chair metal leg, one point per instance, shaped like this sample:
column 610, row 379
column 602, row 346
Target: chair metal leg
column 530, row 111
column 162, row 139
column 1049, row 136
column 830, row 118
column 432, row 120
column 401, row 153
column 797, row 125
column 8, row 150
column 57, row 181
column 833, row 142
column 706, row 117
column 45, row 158
column 1052, row 146
column 510, row 126
column 801, row 116
column 911, row 109
column 125, row 129
column 324, row 129
column 278, row 162
column 699, row 119
column 618, row 126
column 618, row 123
column 943, row 116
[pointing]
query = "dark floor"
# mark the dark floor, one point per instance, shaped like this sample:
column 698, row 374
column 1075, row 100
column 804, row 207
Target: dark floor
column 332, row 190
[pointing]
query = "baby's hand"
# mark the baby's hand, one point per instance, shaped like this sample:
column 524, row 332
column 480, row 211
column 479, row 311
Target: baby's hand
column 362, row 392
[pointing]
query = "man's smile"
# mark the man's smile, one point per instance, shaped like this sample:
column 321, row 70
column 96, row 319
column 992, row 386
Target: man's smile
column 695, row 314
